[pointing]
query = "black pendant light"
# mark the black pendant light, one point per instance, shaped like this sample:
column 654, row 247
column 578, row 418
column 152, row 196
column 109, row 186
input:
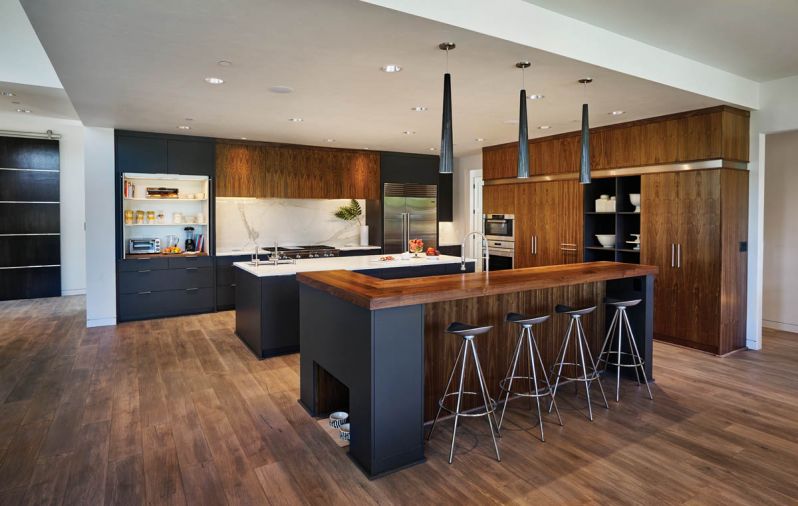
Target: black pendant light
column 523, row 128
column 584, row 159
column 447, row 156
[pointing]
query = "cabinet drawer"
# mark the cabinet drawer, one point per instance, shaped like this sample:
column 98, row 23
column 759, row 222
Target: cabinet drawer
column 161, row 280
column 190, row 277
column 150, row 304
column 140, row 264
column 195, row 261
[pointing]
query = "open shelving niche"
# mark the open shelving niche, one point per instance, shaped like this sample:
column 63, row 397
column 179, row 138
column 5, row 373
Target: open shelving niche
column 186, row 185
column 621, row 223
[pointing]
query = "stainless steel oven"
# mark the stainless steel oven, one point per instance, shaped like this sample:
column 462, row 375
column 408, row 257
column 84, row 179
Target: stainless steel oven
column 501, row 255
column 499, row 227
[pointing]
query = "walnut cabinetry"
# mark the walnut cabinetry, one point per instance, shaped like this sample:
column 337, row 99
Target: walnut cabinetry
column 273, row 170
column 693, row 229
column 707, row 134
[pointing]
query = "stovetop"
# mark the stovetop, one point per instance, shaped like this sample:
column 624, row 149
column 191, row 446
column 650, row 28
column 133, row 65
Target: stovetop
column 308, row 251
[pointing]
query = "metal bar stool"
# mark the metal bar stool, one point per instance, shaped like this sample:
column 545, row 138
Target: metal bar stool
column 583, row 348
column 620, row 320
column 467, row 332
column 533, row 359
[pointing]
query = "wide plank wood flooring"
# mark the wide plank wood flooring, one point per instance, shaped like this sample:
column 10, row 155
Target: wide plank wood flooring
column 177, row 411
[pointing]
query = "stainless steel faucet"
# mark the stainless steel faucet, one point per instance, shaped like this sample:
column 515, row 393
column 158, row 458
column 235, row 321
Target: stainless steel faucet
column 255, row 258
column 484, row 250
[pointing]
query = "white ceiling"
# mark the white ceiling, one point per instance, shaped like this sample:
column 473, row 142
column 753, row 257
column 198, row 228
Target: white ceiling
column 140, row 65
column 751, row 38
column 40, row 100
column 22, row 58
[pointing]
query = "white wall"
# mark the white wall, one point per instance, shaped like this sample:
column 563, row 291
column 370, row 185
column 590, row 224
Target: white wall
column 780, row 279
column 100, row 230
column 73, row 245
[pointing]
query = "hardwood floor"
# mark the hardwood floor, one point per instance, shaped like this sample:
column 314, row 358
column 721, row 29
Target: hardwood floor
column 178, row 411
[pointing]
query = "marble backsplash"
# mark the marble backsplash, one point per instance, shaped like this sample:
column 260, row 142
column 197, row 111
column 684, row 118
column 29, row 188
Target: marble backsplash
column 241, row 223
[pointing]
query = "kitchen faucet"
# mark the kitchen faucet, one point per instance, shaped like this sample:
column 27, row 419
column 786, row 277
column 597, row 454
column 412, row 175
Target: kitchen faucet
column 484, row 252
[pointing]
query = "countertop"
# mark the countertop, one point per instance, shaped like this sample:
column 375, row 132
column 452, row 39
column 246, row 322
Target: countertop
column 239, row 252
column 373, row 293
column 343, row 264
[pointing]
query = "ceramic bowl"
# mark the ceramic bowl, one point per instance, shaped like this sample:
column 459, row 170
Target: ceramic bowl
column 634, row 198
column 344, row 434
column 606, row 240
column 338, row 418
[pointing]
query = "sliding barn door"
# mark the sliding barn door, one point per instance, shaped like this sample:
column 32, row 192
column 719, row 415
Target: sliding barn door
column 30, row 241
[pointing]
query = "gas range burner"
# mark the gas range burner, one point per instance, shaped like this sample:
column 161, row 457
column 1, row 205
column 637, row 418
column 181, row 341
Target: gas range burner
column 311, row 251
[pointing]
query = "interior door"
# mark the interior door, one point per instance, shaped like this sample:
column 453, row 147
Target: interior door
column 698, row 257
column 659, row 230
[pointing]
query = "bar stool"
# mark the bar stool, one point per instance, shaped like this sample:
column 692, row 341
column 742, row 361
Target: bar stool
column 527, row 337
column 620, row 320
column 467, row 332
column 583, row 349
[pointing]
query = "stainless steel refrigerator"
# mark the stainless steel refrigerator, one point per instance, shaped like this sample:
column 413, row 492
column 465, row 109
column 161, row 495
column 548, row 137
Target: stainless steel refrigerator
column 410, row 212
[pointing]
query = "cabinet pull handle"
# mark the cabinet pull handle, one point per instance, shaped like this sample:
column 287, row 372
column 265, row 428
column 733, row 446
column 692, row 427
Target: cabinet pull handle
column 142, row 259
column 673, row 260
column 679, row 256
column 567, row 249
column 191, row 289
column 144, row 293
column 192, row 268
column 146, row 270
column 568, row 244
column 233, row 284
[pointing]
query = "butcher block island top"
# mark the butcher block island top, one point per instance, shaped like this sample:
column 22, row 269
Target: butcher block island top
column 373, row 293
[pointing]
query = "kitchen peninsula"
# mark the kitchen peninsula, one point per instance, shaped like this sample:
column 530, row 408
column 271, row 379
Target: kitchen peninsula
column 267, row 295
column 377, row 348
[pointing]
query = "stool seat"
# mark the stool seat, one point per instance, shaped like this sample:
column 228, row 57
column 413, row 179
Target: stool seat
column 562, row 308
column 464, row 329
column 525, row 320
column 622, row 303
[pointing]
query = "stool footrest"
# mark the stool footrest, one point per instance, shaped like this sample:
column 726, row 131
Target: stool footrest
column 540, row 390
column 442, row 405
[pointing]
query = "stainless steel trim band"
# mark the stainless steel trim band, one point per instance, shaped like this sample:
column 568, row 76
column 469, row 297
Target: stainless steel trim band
column 30, row 170
column 30, row 266
column 29, row 235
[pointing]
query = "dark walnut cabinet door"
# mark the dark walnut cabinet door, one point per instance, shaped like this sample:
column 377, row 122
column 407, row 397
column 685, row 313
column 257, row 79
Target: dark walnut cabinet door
column 659, row 229
column 698, row 259
column 570, row 218
column 524, row 224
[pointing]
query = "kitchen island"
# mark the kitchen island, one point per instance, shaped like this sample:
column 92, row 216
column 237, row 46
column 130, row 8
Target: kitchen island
column 267, row 295
column 377, row 348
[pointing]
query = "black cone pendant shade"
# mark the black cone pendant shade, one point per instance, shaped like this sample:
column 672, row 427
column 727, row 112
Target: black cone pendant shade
column 447, row 155
column 584, row 158
column 447, row 158
column 523, row 130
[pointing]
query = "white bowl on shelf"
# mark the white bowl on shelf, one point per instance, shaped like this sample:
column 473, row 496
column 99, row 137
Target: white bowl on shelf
column 606, row 240
column 634, row 198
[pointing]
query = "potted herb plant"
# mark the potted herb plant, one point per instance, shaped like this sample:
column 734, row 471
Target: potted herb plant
column 353, row 211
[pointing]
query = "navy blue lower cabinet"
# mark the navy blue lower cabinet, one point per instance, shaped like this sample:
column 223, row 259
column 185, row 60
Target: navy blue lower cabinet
column 379, row 357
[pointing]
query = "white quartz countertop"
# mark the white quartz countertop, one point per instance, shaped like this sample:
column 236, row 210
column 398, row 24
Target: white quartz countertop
column 358, row 263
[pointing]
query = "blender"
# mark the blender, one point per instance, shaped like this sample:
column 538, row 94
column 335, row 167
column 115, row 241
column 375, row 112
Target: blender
column 191, row 244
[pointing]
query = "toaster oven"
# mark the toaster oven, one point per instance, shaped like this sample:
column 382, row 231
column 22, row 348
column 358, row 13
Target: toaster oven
column 143, row 246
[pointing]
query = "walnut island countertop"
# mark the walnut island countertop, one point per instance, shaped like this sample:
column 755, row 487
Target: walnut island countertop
column 373, row 293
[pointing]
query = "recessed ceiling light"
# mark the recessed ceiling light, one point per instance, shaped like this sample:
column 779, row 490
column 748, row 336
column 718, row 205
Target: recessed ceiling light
column 295, row 120
column 8, row 94
column 214, row 80
column 408, row 132
column 26, row 111
column 617, row 113
column 544, row 127
column 281, row 89
column 419, row 108
column 391, row 68
column 224, row 63
column 535, row 97
column 330, row 140
column 479, row 139
column 184, row 127
column 432, row 149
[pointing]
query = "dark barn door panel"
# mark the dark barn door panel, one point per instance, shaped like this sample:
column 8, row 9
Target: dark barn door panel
column 30, row 240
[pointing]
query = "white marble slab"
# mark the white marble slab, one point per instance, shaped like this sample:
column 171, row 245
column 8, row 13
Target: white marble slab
column 358, row 263
column 242, row 223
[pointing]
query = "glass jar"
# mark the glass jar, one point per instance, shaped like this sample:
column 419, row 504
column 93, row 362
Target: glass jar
column 150, row 216
column 139, row 216
column 128, row 216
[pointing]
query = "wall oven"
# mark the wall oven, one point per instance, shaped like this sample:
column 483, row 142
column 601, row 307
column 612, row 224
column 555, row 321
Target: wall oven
column 501, row 255
column 499, row 227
